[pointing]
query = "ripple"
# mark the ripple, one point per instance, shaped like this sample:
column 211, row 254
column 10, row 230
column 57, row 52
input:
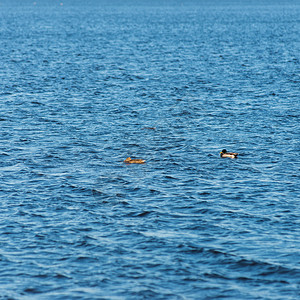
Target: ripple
column 172, row 85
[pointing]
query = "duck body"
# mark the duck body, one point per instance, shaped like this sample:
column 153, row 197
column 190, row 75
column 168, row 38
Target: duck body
column 225, row 154
column 129, row 160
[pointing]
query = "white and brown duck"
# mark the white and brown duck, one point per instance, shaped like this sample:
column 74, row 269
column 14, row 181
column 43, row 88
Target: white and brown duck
column 224, row 154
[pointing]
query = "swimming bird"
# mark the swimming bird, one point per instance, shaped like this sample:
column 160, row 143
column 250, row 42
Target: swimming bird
column 129, row 160
column 224, row 153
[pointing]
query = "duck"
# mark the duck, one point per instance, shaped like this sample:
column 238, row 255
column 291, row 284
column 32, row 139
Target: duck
column 129, row 160
column 224, row 153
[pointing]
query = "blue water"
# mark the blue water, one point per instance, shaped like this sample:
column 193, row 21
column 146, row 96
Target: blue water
column 85, row 85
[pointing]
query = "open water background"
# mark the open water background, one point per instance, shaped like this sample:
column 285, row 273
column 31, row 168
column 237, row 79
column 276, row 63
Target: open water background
column 79, row 84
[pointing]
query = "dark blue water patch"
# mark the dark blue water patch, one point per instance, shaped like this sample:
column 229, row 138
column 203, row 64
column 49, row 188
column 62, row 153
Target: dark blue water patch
column 85, row 86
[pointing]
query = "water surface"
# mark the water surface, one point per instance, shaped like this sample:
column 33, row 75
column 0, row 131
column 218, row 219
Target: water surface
column 80, row 86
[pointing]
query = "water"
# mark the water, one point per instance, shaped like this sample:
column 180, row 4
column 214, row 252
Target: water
column 81, row 84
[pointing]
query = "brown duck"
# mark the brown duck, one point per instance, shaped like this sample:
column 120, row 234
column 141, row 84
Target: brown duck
column 129, row 160
column 224, row 153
